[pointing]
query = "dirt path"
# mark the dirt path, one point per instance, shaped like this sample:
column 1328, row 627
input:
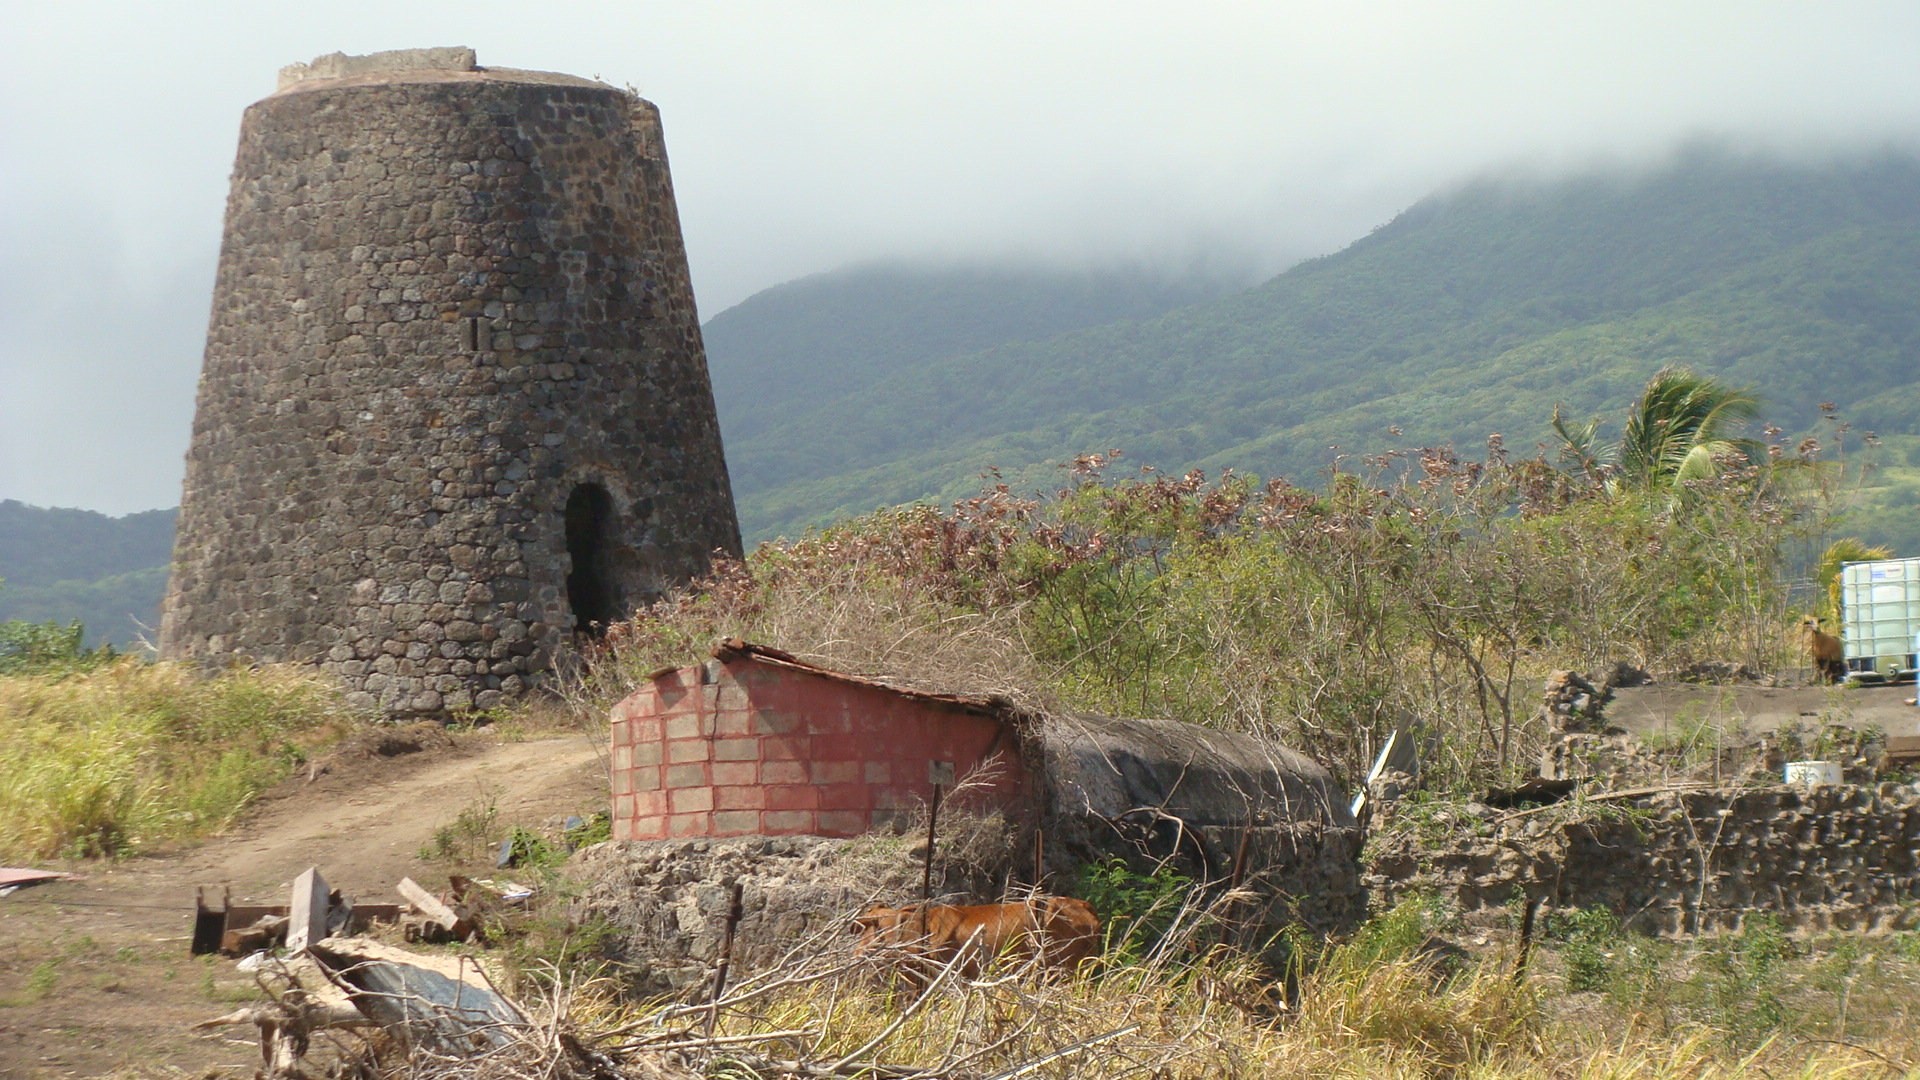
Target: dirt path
column 95, row 975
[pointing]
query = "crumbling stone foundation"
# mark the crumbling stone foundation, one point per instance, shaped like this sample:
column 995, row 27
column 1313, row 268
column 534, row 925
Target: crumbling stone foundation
column 1841, row 858
column 666, row 900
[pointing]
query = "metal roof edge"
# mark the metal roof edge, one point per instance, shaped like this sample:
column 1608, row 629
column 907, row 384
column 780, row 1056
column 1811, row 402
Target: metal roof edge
column 733, row 648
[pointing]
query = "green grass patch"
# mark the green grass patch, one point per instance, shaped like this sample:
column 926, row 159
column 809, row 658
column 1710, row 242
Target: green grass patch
column 127, row 755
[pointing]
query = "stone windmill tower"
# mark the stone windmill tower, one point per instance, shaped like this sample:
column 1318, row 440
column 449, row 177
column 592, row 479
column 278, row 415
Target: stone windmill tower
column 454, row 408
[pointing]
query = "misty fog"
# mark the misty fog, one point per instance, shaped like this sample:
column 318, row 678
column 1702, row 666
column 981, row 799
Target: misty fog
column 1226, row 138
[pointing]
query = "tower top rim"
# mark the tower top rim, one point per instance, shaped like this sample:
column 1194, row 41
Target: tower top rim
column 445, row 64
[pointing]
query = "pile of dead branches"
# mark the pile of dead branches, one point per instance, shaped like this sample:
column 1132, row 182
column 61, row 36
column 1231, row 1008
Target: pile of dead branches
column 386, row 1013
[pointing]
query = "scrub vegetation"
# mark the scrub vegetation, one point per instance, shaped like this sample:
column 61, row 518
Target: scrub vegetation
column 1411, row 584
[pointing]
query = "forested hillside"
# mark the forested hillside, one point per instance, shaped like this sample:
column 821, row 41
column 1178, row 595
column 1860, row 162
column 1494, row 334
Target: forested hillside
column 65, row 564
column 1473, row 312
column 803, row 345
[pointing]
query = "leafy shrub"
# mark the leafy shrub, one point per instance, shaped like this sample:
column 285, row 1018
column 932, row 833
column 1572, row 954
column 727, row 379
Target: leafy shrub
column 1137, row 910
column 1588, row 936
column 48, row 649
column 1395, row 935
column 594, row 830
column 1742, row 983
column 530, row 849
column 466, row 837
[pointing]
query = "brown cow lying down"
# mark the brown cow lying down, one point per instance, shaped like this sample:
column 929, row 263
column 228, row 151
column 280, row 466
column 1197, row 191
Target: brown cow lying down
column 1067, row 930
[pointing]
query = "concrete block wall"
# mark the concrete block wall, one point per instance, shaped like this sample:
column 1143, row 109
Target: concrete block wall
column 742, row 747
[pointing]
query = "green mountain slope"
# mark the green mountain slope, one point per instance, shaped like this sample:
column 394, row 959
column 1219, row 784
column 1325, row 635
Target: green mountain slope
column 1470, row 313
column 801, row 345
column 1473, row 312
column 61, row 564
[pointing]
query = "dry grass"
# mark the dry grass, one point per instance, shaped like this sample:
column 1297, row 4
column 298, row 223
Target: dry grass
column 1374, row 1007
column 1370, row 1008
column 131, row 754
column 845, row 615
column 1383, row 1003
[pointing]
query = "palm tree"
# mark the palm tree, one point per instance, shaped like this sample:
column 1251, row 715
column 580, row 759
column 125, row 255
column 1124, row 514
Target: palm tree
column 1827, row 574
column 1680, row 428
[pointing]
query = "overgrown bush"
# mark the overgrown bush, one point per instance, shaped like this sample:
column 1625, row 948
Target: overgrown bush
column 1416, row 585
column 110, row 760
column 1136, row 910
column 1588, row 937
column 48, row 648
column 1741, row 989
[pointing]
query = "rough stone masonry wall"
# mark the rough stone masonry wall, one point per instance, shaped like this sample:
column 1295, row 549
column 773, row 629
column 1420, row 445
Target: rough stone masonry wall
column 666, row 900
column 1840, row 857
column 1304, row 873
column 445, row 298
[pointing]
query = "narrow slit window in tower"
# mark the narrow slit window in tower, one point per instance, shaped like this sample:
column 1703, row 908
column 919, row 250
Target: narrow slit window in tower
column 592, row 592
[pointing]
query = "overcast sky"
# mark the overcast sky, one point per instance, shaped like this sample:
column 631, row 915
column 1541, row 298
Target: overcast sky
column 806, row 135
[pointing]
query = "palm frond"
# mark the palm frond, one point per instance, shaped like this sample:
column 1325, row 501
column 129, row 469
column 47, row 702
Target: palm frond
column 1677, row 416
column 1581, row 448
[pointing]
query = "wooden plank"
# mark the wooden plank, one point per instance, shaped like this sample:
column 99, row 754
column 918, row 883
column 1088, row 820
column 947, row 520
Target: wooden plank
column 308, row 910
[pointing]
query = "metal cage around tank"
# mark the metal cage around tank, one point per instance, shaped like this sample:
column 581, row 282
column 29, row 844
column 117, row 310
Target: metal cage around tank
column 1880, row 613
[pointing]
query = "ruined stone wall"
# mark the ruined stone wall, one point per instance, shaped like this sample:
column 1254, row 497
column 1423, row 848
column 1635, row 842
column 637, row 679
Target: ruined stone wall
column 1843, row 857
column 1299, row 874
column 449, row 303
column 665, row 900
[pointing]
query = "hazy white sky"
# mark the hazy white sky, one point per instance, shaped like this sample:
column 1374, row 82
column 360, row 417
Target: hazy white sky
column 805, row 135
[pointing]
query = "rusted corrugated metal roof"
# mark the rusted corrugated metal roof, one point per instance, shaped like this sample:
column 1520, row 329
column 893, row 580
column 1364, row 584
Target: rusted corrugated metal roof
column 739, row 649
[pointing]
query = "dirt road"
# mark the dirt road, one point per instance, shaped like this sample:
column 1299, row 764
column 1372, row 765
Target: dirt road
column 95, row 975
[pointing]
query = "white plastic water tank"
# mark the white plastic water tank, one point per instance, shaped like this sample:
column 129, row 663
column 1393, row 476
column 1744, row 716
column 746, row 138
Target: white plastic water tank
column 1880, row 608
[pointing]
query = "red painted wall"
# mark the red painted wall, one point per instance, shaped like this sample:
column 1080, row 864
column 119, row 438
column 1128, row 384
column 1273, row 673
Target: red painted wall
column 772, row 751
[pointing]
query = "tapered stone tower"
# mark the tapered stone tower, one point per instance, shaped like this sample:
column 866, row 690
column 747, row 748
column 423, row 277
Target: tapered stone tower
column 454, row 409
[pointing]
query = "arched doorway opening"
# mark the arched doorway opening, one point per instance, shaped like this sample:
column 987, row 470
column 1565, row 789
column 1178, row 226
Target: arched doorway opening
column 592, row 591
